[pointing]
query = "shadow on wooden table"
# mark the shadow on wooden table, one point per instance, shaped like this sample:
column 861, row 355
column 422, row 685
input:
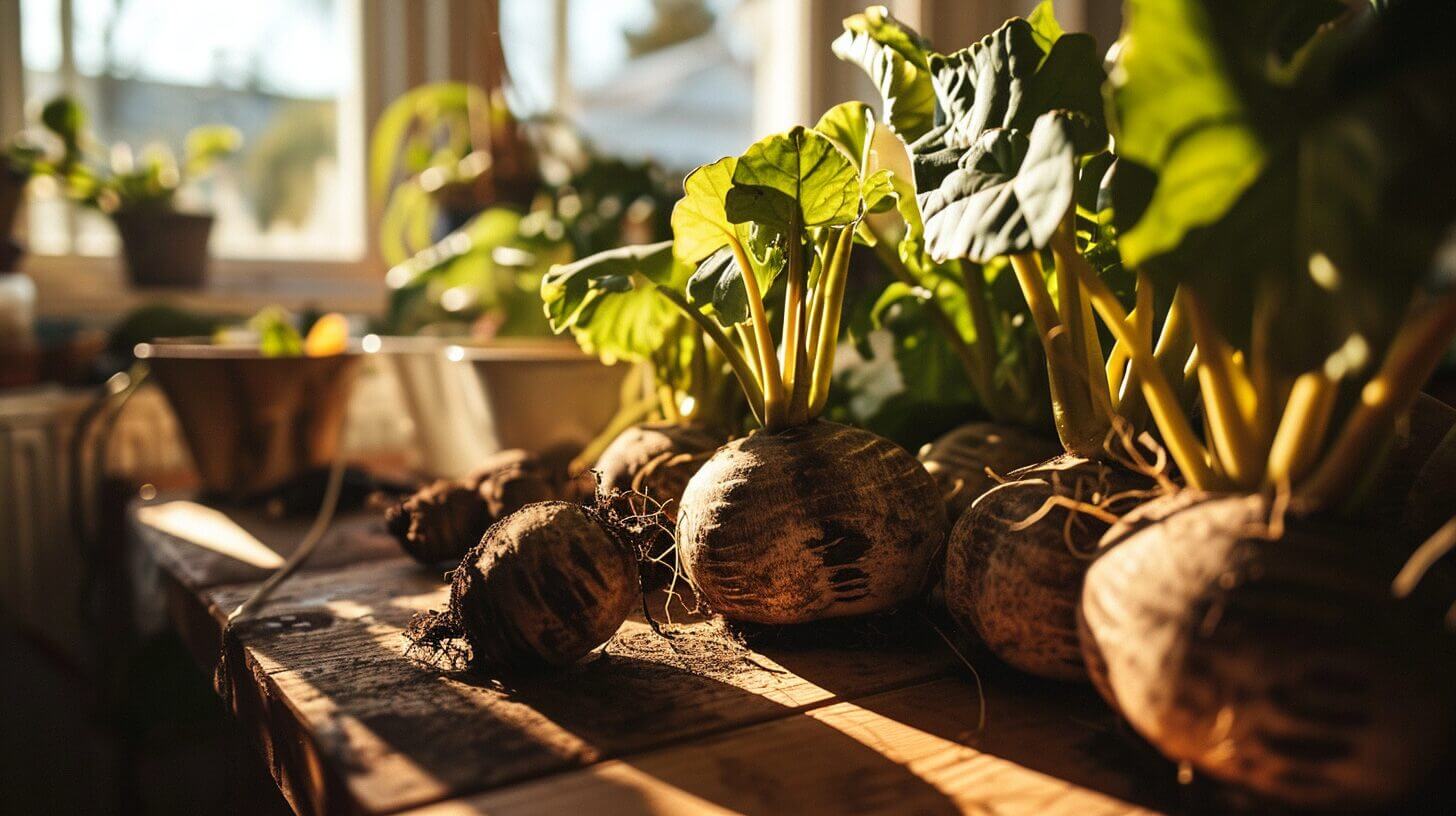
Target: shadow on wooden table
column 1062, row 730
column 381, row 732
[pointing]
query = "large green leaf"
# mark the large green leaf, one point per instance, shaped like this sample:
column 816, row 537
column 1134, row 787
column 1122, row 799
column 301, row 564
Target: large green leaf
column 610, row 303
column 1009, row 79
column 896, row 60
column 1010, row 195
column 1294, row 165
column 798, row 178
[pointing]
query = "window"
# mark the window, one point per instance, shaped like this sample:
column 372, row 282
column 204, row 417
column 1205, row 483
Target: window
column 284, row 72
column 667, row 79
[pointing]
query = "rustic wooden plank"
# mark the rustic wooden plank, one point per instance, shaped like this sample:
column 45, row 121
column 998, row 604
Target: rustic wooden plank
column 911, row 750
column 349, row 723
column 204, row 547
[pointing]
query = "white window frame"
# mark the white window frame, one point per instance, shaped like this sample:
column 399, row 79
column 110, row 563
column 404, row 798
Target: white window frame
column 402, row 44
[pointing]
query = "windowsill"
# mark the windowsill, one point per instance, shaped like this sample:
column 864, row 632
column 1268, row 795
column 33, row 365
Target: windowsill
column 96, row 288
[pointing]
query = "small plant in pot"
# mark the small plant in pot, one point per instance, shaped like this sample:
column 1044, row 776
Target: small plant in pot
column 1009, row 179
column 804, row 519
column 1252, row 627
column 162, row 244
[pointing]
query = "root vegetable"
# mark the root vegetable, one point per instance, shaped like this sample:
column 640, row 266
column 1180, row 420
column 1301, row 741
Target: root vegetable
column 545, row 586
column 817, row 521
column 1013, row 576
column 959, row 460
column 1268, row 650
column 655, row 459
column 444, row 519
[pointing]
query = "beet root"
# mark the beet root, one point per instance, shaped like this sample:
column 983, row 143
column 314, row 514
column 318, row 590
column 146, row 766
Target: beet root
column 959, row 460
column 1269, row 651
column 816, row 521
column 443, row 520
column 1017, row 588
column 545, row 586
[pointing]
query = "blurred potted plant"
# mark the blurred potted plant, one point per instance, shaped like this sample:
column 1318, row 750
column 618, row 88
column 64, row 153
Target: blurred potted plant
column 18, row 162
column 440, row 154
column 163, row 245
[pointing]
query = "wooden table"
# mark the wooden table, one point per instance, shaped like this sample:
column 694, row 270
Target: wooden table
column 348, row 723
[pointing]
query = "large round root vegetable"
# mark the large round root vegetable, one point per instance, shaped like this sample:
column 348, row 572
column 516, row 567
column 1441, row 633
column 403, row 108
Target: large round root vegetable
column 1014, row 565
column 959, row 459
column 656, row 460
column 816, row 521
column 1269, row 651
column 545, row 586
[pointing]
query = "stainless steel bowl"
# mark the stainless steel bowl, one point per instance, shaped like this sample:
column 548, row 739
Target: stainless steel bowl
column 469, row 400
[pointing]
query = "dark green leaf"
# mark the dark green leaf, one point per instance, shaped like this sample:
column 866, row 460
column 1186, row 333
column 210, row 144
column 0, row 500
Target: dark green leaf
column 1009, row 196
column 896, row 60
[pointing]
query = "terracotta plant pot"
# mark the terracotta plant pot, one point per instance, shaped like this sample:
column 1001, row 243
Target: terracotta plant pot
column 164, row 248
column 470, row 401
column 1270, row 652
column 253, row 423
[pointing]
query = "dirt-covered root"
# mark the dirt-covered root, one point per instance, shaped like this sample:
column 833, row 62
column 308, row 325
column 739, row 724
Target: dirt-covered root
column 546, row 585
column 1268, row 651
column 959, row 460
column 1015, row 561
column 440, row 522
column 654, row 460
column 817, row 521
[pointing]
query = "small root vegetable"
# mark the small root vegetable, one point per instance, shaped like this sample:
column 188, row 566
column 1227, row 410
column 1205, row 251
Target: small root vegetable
column 643, row 473
column 545, row 586
column 1268, row 650
column 816, row 521
column 656, row 460
column 444, row 519
column 1015, row 561
column 959, row 459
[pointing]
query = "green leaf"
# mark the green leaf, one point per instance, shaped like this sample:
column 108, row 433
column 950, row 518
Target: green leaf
column 277, row 336
column 208, row 144
column 795, row 176
column 610, row 303
column 718, row 282
column 1008, row 80
column 1010, row 197
column 849, row 125
column 700, row 226
column 1044, row 25
column 1293, row 164
column 896, row 60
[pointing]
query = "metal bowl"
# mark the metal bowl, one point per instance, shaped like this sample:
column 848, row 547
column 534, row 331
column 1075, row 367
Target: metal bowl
column 252, row 423
column 469, row 400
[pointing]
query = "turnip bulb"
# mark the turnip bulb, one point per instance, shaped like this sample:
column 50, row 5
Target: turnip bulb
column 1013, row 576
column 959, row 459
column 1268, row 650
column 655, row 460
column 816, row 521
column 545, row 586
